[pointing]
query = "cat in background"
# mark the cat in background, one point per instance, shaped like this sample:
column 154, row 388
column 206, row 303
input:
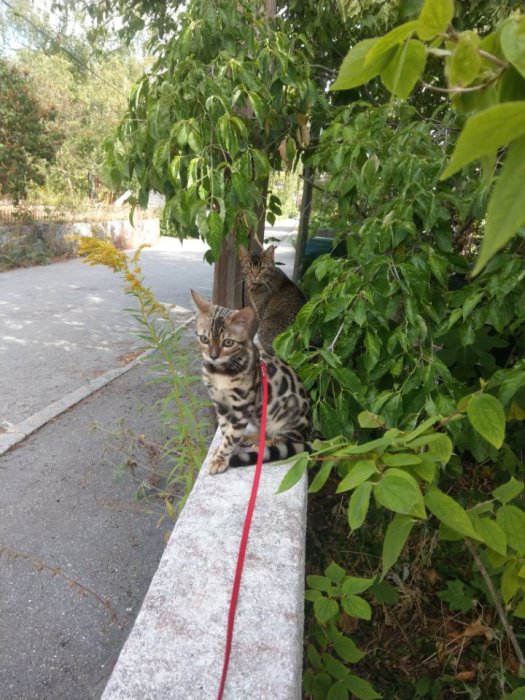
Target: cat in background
column 232, row 373
column 274, row 296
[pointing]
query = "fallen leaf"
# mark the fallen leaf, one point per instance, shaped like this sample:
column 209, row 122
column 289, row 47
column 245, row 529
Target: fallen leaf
column 465, row 676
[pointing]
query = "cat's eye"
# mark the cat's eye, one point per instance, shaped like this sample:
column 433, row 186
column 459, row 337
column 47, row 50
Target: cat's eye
column 203, row 339
column 227, row 342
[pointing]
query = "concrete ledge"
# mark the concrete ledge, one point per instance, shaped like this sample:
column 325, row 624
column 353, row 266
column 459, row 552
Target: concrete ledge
column 175, row 649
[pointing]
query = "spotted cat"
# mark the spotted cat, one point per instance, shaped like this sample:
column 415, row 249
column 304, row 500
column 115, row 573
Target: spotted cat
column 275, row 297
column 232, row 374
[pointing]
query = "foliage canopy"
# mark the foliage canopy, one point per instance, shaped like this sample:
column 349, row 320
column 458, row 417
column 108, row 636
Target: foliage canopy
column 29, row 135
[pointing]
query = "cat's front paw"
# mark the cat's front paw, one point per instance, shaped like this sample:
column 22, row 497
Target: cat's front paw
column 218, row 465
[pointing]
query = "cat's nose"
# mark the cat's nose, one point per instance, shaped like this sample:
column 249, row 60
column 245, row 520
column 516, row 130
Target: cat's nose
column 214, row 354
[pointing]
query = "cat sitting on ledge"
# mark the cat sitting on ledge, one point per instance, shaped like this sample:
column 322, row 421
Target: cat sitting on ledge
column 274, row 296
column 231, row 372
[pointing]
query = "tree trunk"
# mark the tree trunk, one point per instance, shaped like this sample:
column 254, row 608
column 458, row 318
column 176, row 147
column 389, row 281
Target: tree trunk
column 304, row 220
column 228, row 286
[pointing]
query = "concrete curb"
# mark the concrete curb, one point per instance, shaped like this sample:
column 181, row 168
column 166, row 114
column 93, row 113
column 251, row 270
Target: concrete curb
column 175, row 649
column 17, row 433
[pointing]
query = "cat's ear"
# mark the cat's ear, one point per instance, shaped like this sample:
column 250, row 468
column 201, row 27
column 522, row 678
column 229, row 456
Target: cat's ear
column 269, row 253
column 202, row 306
column 244, row 317
column 244, row 254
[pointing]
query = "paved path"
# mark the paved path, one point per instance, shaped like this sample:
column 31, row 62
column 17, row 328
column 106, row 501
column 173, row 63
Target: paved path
column 63, row 325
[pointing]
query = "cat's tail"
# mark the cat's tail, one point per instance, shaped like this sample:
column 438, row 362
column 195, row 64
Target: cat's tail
column 273, row 453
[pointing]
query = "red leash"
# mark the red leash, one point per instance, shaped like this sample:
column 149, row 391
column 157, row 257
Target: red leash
column 245, row 533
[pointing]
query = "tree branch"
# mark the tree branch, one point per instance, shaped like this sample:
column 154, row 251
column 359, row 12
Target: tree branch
column 497, row 602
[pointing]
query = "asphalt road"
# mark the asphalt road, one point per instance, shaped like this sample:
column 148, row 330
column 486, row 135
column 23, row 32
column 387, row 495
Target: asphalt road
column 77, row 550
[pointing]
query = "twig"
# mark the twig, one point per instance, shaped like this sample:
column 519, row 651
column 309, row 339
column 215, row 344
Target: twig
column 454, row 90
column 334, row 341
column 497, row 602
column 494, row 59
column 329, row 71
column 340, row 458
column 317, row 187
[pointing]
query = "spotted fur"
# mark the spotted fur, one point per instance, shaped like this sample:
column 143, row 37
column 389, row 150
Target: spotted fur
column 231, row 371
column 274, row 296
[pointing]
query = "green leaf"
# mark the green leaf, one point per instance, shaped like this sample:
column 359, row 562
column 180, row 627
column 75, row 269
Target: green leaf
column 360, row 688
column 312, row 595
column 485, row 132
column 487, row 417
column 356, row 606
column 520, row 612
column 518, row 694
column 508, row 491
column 325, row 609
column 393, row 38
column 465, row 63
column 314, row 657
column 293, row 475
column 401, row 74
column 399, row 492
column 492, row 534
column 321, row 684
column 440, row 449
column 334, row 667
column 512, row 40
column 422, row 428
column 347, row 649
column 396, row 536
column 195, row 141
column 373, row 350
column 174, row 169
column 330, row 358
column 367, row 419
column 439, row 269
column 214, row 235
column 426, row 470
column 335, row 572
column 448, row 535
column 510, row 385
column 450, row 513
column 400, row 459
column 365, row 447
column 510, row 582
column 353, row 71
column 319, row 583
column 359, row 472
column 506, row 207
column 512, row 521
column 358, row 505
column 385, row 593
column 262, row 164
column 355, row 584
column 434, row 18
column 338, row 691
column 321, row 477
column 456, row 596
column 470, row 304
